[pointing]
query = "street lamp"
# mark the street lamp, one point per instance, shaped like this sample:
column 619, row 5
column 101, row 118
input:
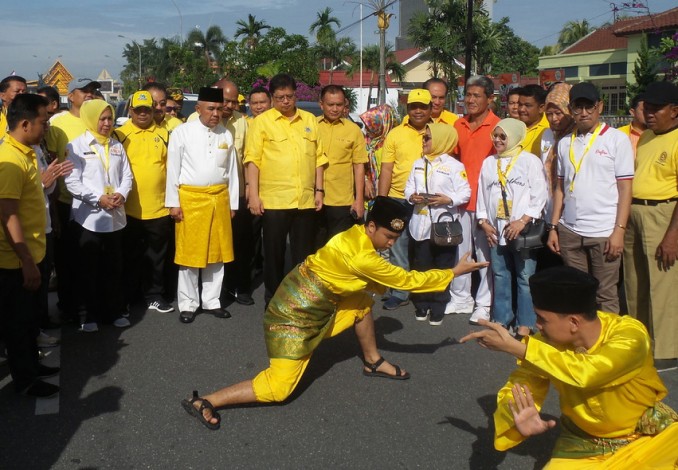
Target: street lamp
column 138, row 47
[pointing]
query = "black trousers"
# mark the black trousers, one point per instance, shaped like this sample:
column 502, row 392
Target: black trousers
column 18, row 327
column 66, row 263
column 101, row 274
column 239, row 271
column 300, row 225
column 45, row 266
column 429, row 256
column 333, row 220
column 146, row 243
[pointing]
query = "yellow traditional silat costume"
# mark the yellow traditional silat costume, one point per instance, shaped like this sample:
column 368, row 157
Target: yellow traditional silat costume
column 324, row 296
column 610, row 396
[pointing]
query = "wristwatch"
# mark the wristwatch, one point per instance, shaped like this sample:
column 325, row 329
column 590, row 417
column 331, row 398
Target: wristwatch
column 550, row 227
column 481, row 221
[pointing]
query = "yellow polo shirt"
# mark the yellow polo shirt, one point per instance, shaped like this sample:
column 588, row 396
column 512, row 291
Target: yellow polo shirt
column 446, row 117
column 532, row 141
column 170, row 123
column 147, row 153
column 344, row 146
column 402, row 147
column 63, row 128
column 20, row 180
column 656, row 175
column 3, row 124
column 287, row 153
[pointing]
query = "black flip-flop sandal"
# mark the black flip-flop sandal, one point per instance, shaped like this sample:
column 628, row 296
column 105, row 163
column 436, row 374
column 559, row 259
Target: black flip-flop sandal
column 373, row 372
column 197, row 413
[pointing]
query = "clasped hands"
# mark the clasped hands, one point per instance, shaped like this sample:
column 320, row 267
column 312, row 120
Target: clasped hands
column 111, row 201
column 434, row 200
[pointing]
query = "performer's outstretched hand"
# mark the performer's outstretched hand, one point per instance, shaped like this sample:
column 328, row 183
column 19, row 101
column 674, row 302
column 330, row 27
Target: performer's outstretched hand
column 466, row 266
column 525, row 414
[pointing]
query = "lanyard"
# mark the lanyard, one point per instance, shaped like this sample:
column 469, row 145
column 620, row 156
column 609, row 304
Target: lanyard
column 577, row 165
column 105, row 163
column 503, row 175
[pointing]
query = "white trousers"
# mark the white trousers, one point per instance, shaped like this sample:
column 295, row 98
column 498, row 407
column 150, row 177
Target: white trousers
column 475, row 240
column 188, row 295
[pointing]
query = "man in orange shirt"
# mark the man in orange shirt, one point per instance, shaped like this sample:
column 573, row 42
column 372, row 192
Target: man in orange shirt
column 637, row 125
column 474, row 146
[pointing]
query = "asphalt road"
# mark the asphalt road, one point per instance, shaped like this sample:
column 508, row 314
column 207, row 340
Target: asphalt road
column 119, row 405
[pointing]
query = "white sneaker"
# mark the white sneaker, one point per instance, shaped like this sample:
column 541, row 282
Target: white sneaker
column 459, row 309
column 46, row 341
column 121, row 322
column 480, row 313
column 89, row 327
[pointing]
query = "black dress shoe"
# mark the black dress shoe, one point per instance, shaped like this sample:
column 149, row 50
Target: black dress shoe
column 40, row 389
column 50, row 325
column 218, row 312
column 46, row 371
column 244, row 298
column 187, row 317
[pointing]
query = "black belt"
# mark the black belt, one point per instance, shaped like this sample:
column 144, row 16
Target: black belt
column 652, row 202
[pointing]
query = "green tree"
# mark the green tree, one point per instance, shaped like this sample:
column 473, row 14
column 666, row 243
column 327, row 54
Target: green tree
column 322, row 26
column 644, row 69
column 336, row 50
column 514, row 54
column 209, row 43
column 371, row 63
column 572, row 32
column 250, row 30
column 668, row 49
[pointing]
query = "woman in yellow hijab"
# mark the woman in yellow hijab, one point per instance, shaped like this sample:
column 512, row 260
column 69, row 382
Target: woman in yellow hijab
column 100, row 181
column 511, row 194
column 437, row 186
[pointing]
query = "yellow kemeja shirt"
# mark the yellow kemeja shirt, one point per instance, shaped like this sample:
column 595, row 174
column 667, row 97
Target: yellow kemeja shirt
column 446, row 117
column 604, row 390
column 20, row 180
column 402, row 147
column 170, row 123
column 3, row 124
column 147, row 154
column 348, row 263
column 287, row 153
column 344, row 146
column 656, row 166
column 63, row 128
column 532, row 141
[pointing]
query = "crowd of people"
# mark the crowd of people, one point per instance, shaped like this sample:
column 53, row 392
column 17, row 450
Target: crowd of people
column 148, row 211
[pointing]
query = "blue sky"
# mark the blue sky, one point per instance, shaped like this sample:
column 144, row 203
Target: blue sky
column 34, row 34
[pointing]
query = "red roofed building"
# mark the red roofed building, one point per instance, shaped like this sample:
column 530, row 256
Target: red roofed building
column 607, row 55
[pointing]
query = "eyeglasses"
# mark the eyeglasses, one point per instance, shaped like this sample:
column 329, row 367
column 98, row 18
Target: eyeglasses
column 281, row 98
column 170, row 109
column 142, row 110
column 501, row 137
column 578, row 108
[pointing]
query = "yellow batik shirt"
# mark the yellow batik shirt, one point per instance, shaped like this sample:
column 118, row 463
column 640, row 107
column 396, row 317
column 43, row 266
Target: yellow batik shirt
column 656, row 175
column 147, row 154
column 348, row 263
column 20, row 181
column 603, row 391
column 402, row 147
column 287, row 153
column 344, row 146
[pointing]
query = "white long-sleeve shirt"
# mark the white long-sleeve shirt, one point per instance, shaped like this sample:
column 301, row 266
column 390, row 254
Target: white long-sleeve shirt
column 444, row 175
column 525, row 190
column 42, row 166
column 200, row 156
column 89, row 178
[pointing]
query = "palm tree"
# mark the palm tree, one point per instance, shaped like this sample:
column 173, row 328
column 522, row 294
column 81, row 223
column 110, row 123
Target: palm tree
column 322, row 26
column 572, row 32
column 337, row 50
column 210, row 42
column 371, row 63
column 251, row 30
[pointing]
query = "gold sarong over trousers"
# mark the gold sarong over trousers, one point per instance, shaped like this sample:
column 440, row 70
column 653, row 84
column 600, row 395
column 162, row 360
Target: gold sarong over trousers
column 204, row 236
column 299, row 314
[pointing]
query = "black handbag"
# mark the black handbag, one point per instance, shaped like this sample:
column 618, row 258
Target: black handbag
column 530, row 238
column 447, row 233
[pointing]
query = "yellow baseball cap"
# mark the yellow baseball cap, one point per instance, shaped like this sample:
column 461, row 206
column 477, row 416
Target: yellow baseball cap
column 140, row 99
column 419, row 95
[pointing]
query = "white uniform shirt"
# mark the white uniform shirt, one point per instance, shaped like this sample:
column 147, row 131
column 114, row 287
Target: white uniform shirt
column 444, row 175
column 592, row 207
column 525, row 190
column 42, row 166
column 548, row 140
column 88, row 180
column 200, row 156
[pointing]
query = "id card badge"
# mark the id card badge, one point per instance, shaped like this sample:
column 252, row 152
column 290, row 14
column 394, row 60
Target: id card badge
column 108, row 190
column 501, row 210
column 570, row 210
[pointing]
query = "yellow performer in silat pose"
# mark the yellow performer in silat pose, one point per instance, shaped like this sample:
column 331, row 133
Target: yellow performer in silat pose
column 601, row 364
column 323, row 296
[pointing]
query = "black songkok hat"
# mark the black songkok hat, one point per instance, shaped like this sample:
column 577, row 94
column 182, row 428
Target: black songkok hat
column 211, row 95
column 390, row 214
column 564, row 289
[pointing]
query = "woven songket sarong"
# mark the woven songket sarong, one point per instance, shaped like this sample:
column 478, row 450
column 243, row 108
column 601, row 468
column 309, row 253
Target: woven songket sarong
column 298, row 315
column 204, row 236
